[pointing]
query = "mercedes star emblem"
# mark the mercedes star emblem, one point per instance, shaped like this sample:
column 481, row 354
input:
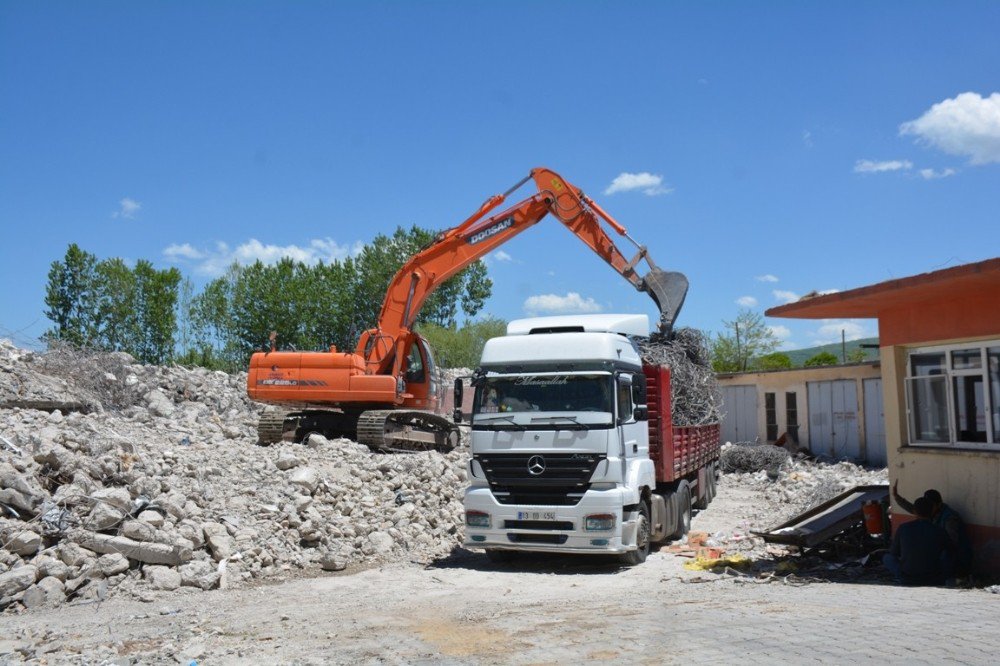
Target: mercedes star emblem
column 536, row 465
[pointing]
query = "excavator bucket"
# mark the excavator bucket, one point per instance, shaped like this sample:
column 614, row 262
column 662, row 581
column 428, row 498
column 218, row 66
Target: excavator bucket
column 668, row 289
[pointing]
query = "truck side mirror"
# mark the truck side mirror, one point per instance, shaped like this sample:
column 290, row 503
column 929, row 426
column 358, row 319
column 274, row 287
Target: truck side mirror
column 639, row 389
column 641, row 413
column 459, row 389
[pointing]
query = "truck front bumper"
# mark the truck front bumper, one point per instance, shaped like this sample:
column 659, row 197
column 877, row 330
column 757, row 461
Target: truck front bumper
column 549, row 529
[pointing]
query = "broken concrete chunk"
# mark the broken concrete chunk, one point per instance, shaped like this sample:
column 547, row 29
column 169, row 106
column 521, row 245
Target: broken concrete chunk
column 138, row 530
column 150, row 553
column 306, row 478
column 25, row 543
column 17, row 580
column 104, row 517
column 162, row 578
column 199, row 574
column 287, row 460
column 73, row 554
column 154, row 518
column 112, row 564
column 116, row 497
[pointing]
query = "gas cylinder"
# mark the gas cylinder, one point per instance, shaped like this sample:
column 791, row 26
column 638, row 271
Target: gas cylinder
column 872, row 511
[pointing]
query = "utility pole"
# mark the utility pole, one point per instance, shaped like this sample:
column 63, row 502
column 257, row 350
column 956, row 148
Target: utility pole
column 843, row 347
column 739, row 357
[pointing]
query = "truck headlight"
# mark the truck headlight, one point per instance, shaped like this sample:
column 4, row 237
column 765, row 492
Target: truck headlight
column 477, row 519
column 599, row 522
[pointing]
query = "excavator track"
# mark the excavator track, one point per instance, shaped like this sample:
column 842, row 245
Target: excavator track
column 406, row 431
column 271, row 426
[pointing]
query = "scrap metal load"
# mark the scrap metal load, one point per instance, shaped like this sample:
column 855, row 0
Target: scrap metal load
column 695, row 396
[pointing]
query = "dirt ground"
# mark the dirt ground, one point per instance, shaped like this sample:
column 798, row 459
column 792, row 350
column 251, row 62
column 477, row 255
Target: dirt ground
column 462, row 609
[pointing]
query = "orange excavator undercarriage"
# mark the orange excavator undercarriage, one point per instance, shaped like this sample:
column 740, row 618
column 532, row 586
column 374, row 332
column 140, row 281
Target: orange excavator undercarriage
column 387, row 393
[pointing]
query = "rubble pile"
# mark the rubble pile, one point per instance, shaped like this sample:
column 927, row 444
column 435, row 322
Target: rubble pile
column 783, row 492
column 172, row 491
column 695, row 396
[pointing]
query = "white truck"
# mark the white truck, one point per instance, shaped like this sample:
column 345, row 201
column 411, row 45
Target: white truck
column 573, row 448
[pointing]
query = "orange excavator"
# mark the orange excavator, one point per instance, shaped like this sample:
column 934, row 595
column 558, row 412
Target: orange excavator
column 386, row 393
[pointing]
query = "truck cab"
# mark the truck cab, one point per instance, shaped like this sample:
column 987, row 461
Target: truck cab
column 560, row 439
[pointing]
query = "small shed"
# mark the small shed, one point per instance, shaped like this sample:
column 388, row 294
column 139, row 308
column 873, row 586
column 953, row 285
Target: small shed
column 939, row 336
column 833, row 411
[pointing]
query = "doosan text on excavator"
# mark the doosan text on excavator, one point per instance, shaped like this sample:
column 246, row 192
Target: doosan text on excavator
column 386, row 394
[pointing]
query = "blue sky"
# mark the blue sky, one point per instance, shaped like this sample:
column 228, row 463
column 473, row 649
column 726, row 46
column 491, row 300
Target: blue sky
column 766, row 150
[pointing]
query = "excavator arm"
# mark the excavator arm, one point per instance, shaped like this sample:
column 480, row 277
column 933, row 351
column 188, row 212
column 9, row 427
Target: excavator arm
column 385, row 346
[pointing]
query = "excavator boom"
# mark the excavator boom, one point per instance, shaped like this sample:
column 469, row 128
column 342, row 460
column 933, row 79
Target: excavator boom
column 378, row 393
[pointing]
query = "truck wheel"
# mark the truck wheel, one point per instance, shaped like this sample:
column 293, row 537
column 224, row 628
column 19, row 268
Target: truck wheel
column 499, row 556
column 683, row 494
column 642, row 533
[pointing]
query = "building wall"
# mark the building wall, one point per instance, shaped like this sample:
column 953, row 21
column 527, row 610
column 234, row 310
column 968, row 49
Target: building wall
column 796, row 380
column 968, row 480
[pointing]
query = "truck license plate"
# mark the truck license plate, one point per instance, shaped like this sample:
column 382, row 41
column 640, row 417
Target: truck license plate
column 536, row 515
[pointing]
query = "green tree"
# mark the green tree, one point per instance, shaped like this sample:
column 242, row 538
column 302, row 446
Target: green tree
column 857, row 355
column 822, row 358
column 116, row 294
column 773, row 361
column 462, row 347
column 746, row 337
column 156, row 300
column 71, row 298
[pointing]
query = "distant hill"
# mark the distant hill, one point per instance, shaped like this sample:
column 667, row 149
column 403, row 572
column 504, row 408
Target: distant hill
column 800, row 356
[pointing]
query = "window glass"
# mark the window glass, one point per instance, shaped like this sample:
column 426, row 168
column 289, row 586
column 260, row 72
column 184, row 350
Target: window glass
column 928, row 409
column 771, row 416
column 545, row 393
column 414, row 366
column 625, row 401
column 993, row 358
column 970, row 408
column 792, row 416
column 923, row 365
column 966, row 359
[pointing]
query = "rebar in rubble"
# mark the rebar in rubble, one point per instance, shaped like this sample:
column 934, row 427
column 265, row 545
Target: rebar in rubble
column 695, row 395
column 752, row 457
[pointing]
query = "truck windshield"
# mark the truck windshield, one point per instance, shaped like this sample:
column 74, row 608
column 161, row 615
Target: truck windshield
column 545, row 393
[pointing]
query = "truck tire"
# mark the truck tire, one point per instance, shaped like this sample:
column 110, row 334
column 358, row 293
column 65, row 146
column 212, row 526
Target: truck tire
column 683, row 495
column 642, row 534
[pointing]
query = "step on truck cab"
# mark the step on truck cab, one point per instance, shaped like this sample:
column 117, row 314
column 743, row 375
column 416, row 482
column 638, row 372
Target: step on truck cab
column 572, row 446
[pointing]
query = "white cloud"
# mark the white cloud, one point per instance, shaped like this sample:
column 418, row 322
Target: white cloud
column 785, row 296
column 216, row 261
column 571, row 303
column 766, row 278
column 500, row 255
column 127, row 208
column 807, row 138
column 829, row 291
column 746, row 301
column 650, row 184
column 829, row 331
column 185, row 251
column 931, row 174
column 780, row 332
column 871, row 166
column 967, row 125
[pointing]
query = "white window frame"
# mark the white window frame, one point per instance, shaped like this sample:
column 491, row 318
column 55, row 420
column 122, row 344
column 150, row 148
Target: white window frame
column 992, row 442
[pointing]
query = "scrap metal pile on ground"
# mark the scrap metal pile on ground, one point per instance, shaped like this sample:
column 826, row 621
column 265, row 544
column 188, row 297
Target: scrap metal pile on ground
column 119, row 478
column 695, row 395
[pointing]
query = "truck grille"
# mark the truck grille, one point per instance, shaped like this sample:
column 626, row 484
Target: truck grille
column 538, row 538
column 560, row 479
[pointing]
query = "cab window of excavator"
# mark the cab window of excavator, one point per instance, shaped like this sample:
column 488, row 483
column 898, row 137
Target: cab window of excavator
column 415, row 365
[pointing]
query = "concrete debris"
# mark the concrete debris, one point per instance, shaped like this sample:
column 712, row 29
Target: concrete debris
column 752, row 457
column 785, row 491
column 156, row 482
